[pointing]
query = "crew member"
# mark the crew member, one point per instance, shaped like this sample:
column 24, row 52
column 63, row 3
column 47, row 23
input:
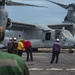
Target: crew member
column 28, row 48
column 20, row 47
column 14, row 46
column 12, row 64
column 56, row 51
column 9, row 45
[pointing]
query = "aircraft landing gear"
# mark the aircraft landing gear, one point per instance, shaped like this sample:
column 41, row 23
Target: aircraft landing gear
column 71, row 50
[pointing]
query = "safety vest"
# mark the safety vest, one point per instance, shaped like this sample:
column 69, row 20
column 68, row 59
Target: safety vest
column 20, row 46
column 11, row 64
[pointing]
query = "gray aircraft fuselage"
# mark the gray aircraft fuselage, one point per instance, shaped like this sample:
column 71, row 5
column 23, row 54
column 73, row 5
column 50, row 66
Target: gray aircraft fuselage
column 41, row 38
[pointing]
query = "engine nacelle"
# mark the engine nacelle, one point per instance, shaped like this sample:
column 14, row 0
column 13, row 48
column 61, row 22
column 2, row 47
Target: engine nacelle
column 9, row 23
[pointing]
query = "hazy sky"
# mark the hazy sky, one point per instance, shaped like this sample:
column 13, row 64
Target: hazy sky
column 35, row 15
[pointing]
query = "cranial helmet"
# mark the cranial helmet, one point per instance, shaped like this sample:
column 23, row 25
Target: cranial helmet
column 57, row 40
column 21, row 39
column 10, row 38
column 14, row 38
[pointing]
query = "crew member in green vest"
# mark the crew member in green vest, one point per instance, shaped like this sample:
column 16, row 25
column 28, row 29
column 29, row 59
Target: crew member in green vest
column 12, row 64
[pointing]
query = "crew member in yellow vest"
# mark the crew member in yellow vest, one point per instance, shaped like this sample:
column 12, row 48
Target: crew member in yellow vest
column 20, row 47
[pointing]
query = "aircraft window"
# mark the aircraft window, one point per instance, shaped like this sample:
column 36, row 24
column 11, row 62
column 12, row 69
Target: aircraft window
column 48, row 36
column 19, row 35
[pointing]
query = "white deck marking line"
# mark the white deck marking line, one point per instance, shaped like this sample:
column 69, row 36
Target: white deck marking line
column 39, row 69
column 35, row 56
column 54, row 69
column 71, row 69
column 35, row 68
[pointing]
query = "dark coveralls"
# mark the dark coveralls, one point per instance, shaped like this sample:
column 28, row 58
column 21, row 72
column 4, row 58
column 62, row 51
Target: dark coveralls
column 56, row 52
column 14, row 47
column 28, row 47
column 10, row 47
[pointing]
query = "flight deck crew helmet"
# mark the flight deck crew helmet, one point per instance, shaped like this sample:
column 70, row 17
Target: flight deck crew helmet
column 57, row 40
column 21, row 39
column 10, row 39
column 14, row 39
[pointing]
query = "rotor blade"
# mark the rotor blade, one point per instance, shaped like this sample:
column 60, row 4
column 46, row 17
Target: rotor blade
column 61, row 5
column 11, row 3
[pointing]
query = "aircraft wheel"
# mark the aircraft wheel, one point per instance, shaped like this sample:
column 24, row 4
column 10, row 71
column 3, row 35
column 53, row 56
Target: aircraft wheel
column 71, row 50
column 2, row 34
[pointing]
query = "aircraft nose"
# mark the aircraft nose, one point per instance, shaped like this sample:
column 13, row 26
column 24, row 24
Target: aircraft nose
column 2, row 33
column 71, row 40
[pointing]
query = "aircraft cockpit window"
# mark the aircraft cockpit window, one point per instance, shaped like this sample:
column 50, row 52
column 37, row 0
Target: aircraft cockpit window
column 48, row 36
column 67, row 33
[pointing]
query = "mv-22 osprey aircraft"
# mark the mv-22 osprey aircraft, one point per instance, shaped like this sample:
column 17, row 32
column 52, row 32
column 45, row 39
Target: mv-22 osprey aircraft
column 41, row 36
